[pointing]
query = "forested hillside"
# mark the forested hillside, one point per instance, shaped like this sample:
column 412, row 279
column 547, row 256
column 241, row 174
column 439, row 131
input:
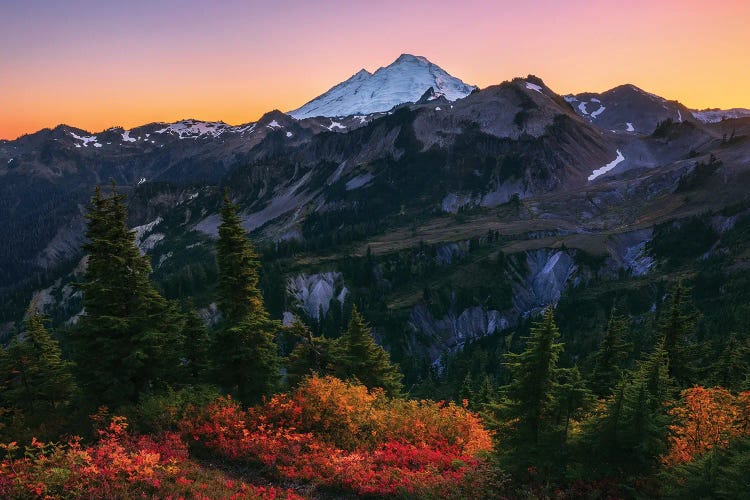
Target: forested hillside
column 627, row 387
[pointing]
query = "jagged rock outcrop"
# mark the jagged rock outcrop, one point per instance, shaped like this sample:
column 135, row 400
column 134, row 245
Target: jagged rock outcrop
column 452, row 331
column 313, row 293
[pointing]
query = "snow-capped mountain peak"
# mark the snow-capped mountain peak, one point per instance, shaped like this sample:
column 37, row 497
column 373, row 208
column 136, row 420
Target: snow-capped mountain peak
column 404, row 80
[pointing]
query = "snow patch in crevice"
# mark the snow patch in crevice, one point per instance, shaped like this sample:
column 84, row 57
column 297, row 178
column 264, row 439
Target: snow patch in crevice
column 609, row 166
column 335, row 124
column 630, row 127
column 86, row 140
column 534, row 86
column 598, row 111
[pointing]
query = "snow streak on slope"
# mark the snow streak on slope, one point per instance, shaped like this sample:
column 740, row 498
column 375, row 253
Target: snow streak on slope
column 405, row 80
column 606, row 168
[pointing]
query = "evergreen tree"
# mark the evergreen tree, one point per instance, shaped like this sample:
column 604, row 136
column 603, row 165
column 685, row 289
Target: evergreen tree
column 358, row 355
column 239, row 266
column 311, row 354
column 732, row 367
column 196, row 347
column 534, row 374
column 486, row 392
column 467, row 389
column 571, row 396
column 37, row 383
column 246, row 355
column 676, row 330
column 527, row 416
column 631, row 433
column 611, row 356
column 128, row 339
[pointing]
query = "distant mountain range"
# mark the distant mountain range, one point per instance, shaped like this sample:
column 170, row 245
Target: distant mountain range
column 383, row 163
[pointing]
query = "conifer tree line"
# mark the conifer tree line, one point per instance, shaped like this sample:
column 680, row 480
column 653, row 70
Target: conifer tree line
column 131, row 344
column 554, row 422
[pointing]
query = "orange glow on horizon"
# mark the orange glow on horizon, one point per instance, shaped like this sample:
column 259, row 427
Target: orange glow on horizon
column 95, row 69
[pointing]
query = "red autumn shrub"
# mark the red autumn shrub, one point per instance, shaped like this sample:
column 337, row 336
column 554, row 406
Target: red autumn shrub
column 341, row 435
column 120, row 465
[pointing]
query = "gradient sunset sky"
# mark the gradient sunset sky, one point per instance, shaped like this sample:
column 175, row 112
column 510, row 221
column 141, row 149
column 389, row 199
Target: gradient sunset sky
column 96, row 64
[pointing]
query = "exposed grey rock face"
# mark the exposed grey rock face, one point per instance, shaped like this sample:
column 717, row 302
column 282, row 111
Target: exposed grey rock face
column 495, row 196
column 211, row 314
column 538, row 281
column 721, row 224
column 628, row 251
column 288, row 318
column 145, row 239
column 548, row 273
column 452, row 331
column 65, row 244
column 447, row 253
column 313, row 292
column 637, row 260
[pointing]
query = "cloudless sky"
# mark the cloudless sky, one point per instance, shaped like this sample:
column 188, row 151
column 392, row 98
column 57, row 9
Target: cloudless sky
column 96, row 64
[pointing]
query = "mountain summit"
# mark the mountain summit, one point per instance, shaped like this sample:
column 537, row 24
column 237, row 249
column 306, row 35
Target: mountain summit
column 404, row 80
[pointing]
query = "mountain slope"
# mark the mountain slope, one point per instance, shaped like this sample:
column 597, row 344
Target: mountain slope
column 403, row 81
column 627, row 109
column 445, row 187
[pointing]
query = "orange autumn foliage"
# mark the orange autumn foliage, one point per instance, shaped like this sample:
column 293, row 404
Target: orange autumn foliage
column 350, row 416
column 341, row 435
column 705, row 418
column 327, row 433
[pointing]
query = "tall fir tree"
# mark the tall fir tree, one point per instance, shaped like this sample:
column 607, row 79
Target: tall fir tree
column 466, row 392
column 631, row 431
column 572, row 397
column 196, row 348
column 245, row 353
column 534, row 374
column 732, row 368
column 358, row 355
column 239, row 267
column 531, row 413
column 676, row 331
column 38, row 385
column 311, row 354
column 610, row 358
column 128, row 340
